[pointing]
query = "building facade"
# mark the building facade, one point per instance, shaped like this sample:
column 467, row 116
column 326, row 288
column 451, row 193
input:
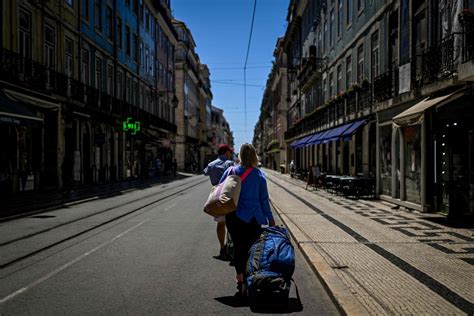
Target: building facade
column 271, row 145
column 86, row 90
column 194, row 95
column 383, row 89
column 220, row 130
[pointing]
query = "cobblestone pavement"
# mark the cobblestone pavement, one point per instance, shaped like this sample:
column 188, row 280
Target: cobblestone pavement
column 376, row 259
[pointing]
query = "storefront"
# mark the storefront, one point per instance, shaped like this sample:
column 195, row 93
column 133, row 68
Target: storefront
column 453, row 144
column 21, row 143
column 425, row 155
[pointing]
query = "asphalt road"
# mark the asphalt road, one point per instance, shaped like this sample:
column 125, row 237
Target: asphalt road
column 144, row 252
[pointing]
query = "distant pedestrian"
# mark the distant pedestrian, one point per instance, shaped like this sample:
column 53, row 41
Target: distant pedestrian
column 215, row 169
column 174, row 167
column 253, row 210
column 292, row 168
column 157, row 167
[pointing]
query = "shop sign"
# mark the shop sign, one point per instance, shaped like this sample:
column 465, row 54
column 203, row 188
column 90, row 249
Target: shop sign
column 128, row 125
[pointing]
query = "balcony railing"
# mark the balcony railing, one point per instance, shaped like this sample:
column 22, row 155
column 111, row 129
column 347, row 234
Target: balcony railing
column 440, row 61
column 32, row 75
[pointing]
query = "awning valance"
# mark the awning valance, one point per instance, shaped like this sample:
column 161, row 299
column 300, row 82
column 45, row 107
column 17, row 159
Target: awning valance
column 414, row 114
column 15, row 113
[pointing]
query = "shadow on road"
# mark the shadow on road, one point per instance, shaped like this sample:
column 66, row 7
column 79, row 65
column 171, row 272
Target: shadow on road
column 294, row 305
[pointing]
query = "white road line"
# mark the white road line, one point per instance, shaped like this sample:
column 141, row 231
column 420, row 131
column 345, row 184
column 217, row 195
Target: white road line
column 170, row 206
column 67, row 265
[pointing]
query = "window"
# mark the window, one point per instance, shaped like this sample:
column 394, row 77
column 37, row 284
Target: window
column 70, row 3
column 119, row 93
column 25, row 34
column 360, row 63
column 339, row 79
column 119, row 33
column 109, row 24
column 348, row 71
column 85, row 66
column 349, row 11
column 85, row 9
column 331, row 30
column 134, row 93
column 147, row 19
column 127, row 40
column 360, row 5
column 375, row 55
column 128, row 88
column 325, row 35
column 98, row 73
column 49, row 46
column 147, row 61
column 98, row 15
column 141, row 55
column 340, row 18
column 69, row 54
column 135, row 7
column 331, row 84
column 135, row 47
column 110, row 79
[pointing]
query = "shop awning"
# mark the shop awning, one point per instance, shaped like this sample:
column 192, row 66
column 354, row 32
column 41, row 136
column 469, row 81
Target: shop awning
column 351, row 129
column 15, row 113
column 313, row 139
column 414, row 115
column 334, row 133
column 300, row 142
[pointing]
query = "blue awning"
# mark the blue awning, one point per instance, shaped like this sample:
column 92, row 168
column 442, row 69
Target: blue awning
column 313, row 139
column 303, row 141
column 334, row 133
column 300, row 142
column 355, row 125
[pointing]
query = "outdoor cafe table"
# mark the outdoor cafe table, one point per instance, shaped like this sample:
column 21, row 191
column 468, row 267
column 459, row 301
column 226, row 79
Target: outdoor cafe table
column 350, row 185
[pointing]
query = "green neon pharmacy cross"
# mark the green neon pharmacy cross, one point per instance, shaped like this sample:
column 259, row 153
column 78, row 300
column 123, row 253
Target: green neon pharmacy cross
column 128, row 125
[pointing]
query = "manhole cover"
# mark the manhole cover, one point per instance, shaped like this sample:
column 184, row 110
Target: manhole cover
column 42, row 216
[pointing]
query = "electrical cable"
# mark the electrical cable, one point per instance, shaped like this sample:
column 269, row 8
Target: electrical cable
column 245, row 65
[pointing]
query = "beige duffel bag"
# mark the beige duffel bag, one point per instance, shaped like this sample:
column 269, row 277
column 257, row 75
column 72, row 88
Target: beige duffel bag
column 224, row 197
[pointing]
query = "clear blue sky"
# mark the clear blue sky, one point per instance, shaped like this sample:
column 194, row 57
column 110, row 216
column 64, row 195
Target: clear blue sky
column 221, row 31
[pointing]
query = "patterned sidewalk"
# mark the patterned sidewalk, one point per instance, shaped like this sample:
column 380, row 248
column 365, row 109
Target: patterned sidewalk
column 378, row 260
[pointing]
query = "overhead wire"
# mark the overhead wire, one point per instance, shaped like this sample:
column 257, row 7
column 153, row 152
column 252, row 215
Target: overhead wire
column 245, row 65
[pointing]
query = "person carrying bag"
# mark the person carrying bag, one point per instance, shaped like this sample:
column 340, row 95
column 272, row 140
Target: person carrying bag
column 224, row 197
column 252, row 211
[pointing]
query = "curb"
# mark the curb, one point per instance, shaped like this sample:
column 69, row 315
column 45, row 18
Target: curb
column 342, row 297
column 65, row 203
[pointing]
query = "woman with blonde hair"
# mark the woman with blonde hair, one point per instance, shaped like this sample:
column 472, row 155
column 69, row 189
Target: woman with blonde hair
column 253, row 210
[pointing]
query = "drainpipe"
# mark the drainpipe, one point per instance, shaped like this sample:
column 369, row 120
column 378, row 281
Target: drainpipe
column 377, row 159
column 394, row 161
column 402, row 164
column 424, row 153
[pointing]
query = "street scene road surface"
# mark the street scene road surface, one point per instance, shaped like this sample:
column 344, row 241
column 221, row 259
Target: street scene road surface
column 146, row 251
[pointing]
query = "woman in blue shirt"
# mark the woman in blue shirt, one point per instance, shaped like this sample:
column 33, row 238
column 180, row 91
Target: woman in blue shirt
column 253, row 210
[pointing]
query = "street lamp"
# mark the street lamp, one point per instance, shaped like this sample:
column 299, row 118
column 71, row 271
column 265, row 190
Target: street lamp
column 175, row 101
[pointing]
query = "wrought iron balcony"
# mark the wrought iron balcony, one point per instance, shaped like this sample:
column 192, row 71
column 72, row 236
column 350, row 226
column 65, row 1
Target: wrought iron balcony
column 439, row 61
column 29, row 74
column 365, row 98
column 311, row 70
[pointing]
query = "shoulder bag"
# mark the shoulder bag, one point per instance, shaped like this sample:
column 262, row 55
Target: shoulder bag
column 224, row 197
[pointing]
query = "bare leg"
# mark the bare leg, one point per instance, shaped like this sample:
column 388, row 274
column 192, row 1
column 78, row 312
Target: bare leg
column 221, row 233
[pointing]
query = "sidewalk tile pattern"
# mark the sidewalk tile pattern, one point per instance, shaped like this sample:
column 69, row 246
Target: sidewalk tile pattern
column 394, row 262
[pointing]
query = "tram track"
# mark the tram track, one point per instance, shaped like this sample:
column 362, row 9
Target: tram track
column 186, row 186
